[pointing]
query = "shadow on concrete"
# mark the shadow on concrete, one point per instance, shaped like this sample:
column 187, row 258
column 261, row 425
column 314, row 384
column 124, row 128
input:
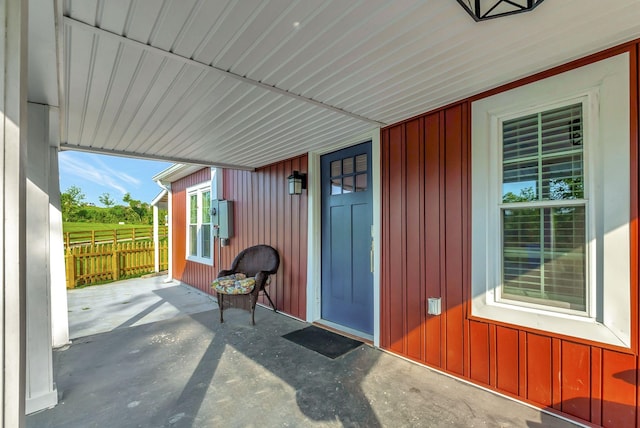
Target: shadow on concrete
column 325, row 390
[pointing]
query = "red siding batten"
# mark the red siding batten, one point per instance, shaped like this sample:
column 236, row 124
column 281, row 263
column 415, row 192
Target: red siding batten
column 426, row 245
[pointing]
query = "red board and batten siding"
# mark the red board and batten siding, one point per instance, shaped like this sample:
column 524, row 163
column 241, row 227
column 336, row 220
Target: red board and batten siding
column 426, row 253
column 264, row 213
column 196, row 274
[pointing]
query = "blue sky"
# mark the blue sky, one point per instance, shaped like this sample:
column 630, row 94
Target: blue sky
column 97, row 174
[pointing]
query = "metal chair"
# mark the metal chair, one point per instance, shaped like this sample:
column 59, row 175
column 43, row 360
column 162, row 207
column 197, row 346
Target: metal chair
column 240, row 285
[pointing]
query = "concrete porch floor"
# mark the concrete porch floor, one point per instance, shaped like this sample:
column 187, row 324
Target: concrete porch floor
column 153, row 354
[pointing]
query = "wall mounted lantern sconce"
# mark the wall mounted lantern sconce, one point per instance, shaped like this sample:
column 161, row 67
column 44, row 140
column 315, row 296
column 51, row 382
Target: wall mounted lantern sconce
column 297, row 182
column 481, row 10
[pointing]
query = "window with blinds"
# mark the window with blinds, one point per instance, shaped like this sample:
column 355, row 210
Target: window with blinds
column 199, row 227
column 543, row 209
column 193, row 224
column 205, row 242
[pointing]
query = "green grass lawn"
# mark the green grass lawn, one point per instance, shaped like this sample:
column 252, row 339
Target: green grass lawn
column 83, row 227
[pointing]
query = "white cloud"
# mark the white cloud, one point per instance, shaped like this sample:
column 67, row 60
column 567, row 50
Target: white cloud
column 96, row 171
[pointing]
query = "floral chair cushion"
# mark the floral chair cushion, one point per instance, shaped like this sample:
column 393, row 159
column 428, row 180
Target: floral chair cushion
column 237, row 283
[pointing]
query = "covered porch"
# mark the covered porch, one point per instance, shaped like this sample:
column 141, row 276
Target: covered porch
column 262, row 89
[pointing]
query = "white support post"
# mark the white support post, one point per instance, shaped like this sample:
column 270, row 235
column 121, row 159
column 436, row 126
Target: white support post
column 59, row 304
column 156, row 240
column 170, row 232
column 40, row 389
column 13, row 149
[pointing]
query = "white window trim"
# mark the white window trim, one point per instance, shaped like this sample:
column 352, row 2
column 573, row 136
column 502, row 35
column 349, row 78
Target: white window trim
column 606, row 86
column 198, row 190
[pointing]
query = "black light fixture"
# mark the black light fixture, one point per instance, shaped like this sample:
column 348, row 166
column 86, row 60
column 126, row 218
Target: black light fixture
column 297, row 182
column 481, row 10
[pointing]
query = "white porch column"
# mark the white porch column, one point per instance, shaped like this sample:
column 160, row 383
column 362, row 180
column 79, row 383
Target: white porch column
column 57, row 274
column 13, row 147
column 156, row 240
column 170, row 232
column 40, row 390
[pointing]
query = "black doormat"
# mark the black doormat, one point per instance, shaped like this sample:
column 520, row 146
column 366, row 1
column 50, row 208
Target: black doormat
column 324, row 342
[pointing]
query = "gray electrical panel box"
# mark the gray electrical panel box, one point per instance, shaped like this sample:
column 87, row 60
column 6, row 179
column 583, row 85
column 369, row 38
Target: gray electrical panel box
column 223, row 218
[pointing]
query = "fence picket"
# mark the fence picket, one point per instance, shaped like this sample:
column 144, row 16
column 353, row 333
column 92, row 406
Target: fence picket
column 101, row 259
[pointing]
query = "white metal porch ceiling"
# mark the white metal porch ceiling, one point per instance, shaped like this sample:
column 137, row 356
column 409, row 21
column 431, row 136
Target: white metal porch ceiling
column 246, row 83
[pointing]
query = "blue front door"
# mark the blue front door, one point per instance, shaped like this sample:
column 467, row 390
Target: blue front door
column 347, row 217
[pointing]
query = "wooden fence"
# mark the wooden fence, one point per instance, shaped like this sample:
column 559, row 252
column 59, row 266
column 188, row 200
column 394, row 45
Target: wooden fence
column 93, row 237
column 95, row 263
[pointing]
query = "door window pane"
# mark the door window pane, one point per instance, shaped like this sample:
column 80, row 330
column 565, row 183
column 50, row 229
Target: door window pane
column 361, row 163
column 361, row 182
column 336, row 168
column 347, row 184
column 347, row 166
column 336, row 186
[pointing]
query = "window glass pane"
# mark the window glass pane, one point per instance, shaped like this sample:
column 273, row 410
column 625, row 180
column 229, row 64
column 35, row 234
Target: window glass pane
column 520, row 181
column 544, row 256
column 206, row 241
column 336, row 168
column 561, row 129
column 206, row 207
column 193, row 209
column 347, row 184
column 347, row 166
column 361, row 163
column 562, row 177
column 336, row 186
column 361, row 182
column 565, row 256
column 543, row 157
column 520, row 137
column 193, row 240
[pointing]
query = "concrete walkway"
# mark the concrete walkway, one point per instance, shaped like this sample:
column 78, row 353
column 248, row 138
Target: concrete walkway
column 162, row 359
column 132, row 302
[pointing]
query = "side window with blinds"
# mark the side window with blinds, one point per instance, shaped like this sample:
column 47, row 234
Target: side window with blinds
column 543, row 210
column 552, row 191
column 193, row 224
column 199, row 230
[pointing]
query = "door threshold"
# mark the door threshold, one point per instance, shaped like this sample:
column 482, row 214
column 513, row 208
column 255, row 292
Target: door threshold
column 344, row 331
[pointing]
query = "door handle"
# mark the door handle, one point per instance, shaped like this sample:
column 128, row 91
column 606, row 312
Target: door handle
column 371, row 257
column 371, row 251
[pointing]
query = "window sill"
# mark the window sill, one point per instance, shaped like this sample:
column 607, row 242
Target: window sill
column 550, row 322
column 201, row 260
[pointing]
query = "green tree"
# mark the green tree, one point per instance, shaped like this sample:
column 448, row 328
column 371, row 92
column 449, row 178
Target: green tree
column 140, row 211
column 71, row 201
column 105, row 199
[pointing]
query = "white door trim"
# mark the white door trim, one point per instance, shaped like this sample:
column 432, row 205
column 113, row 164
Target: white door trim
column 314, row 230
